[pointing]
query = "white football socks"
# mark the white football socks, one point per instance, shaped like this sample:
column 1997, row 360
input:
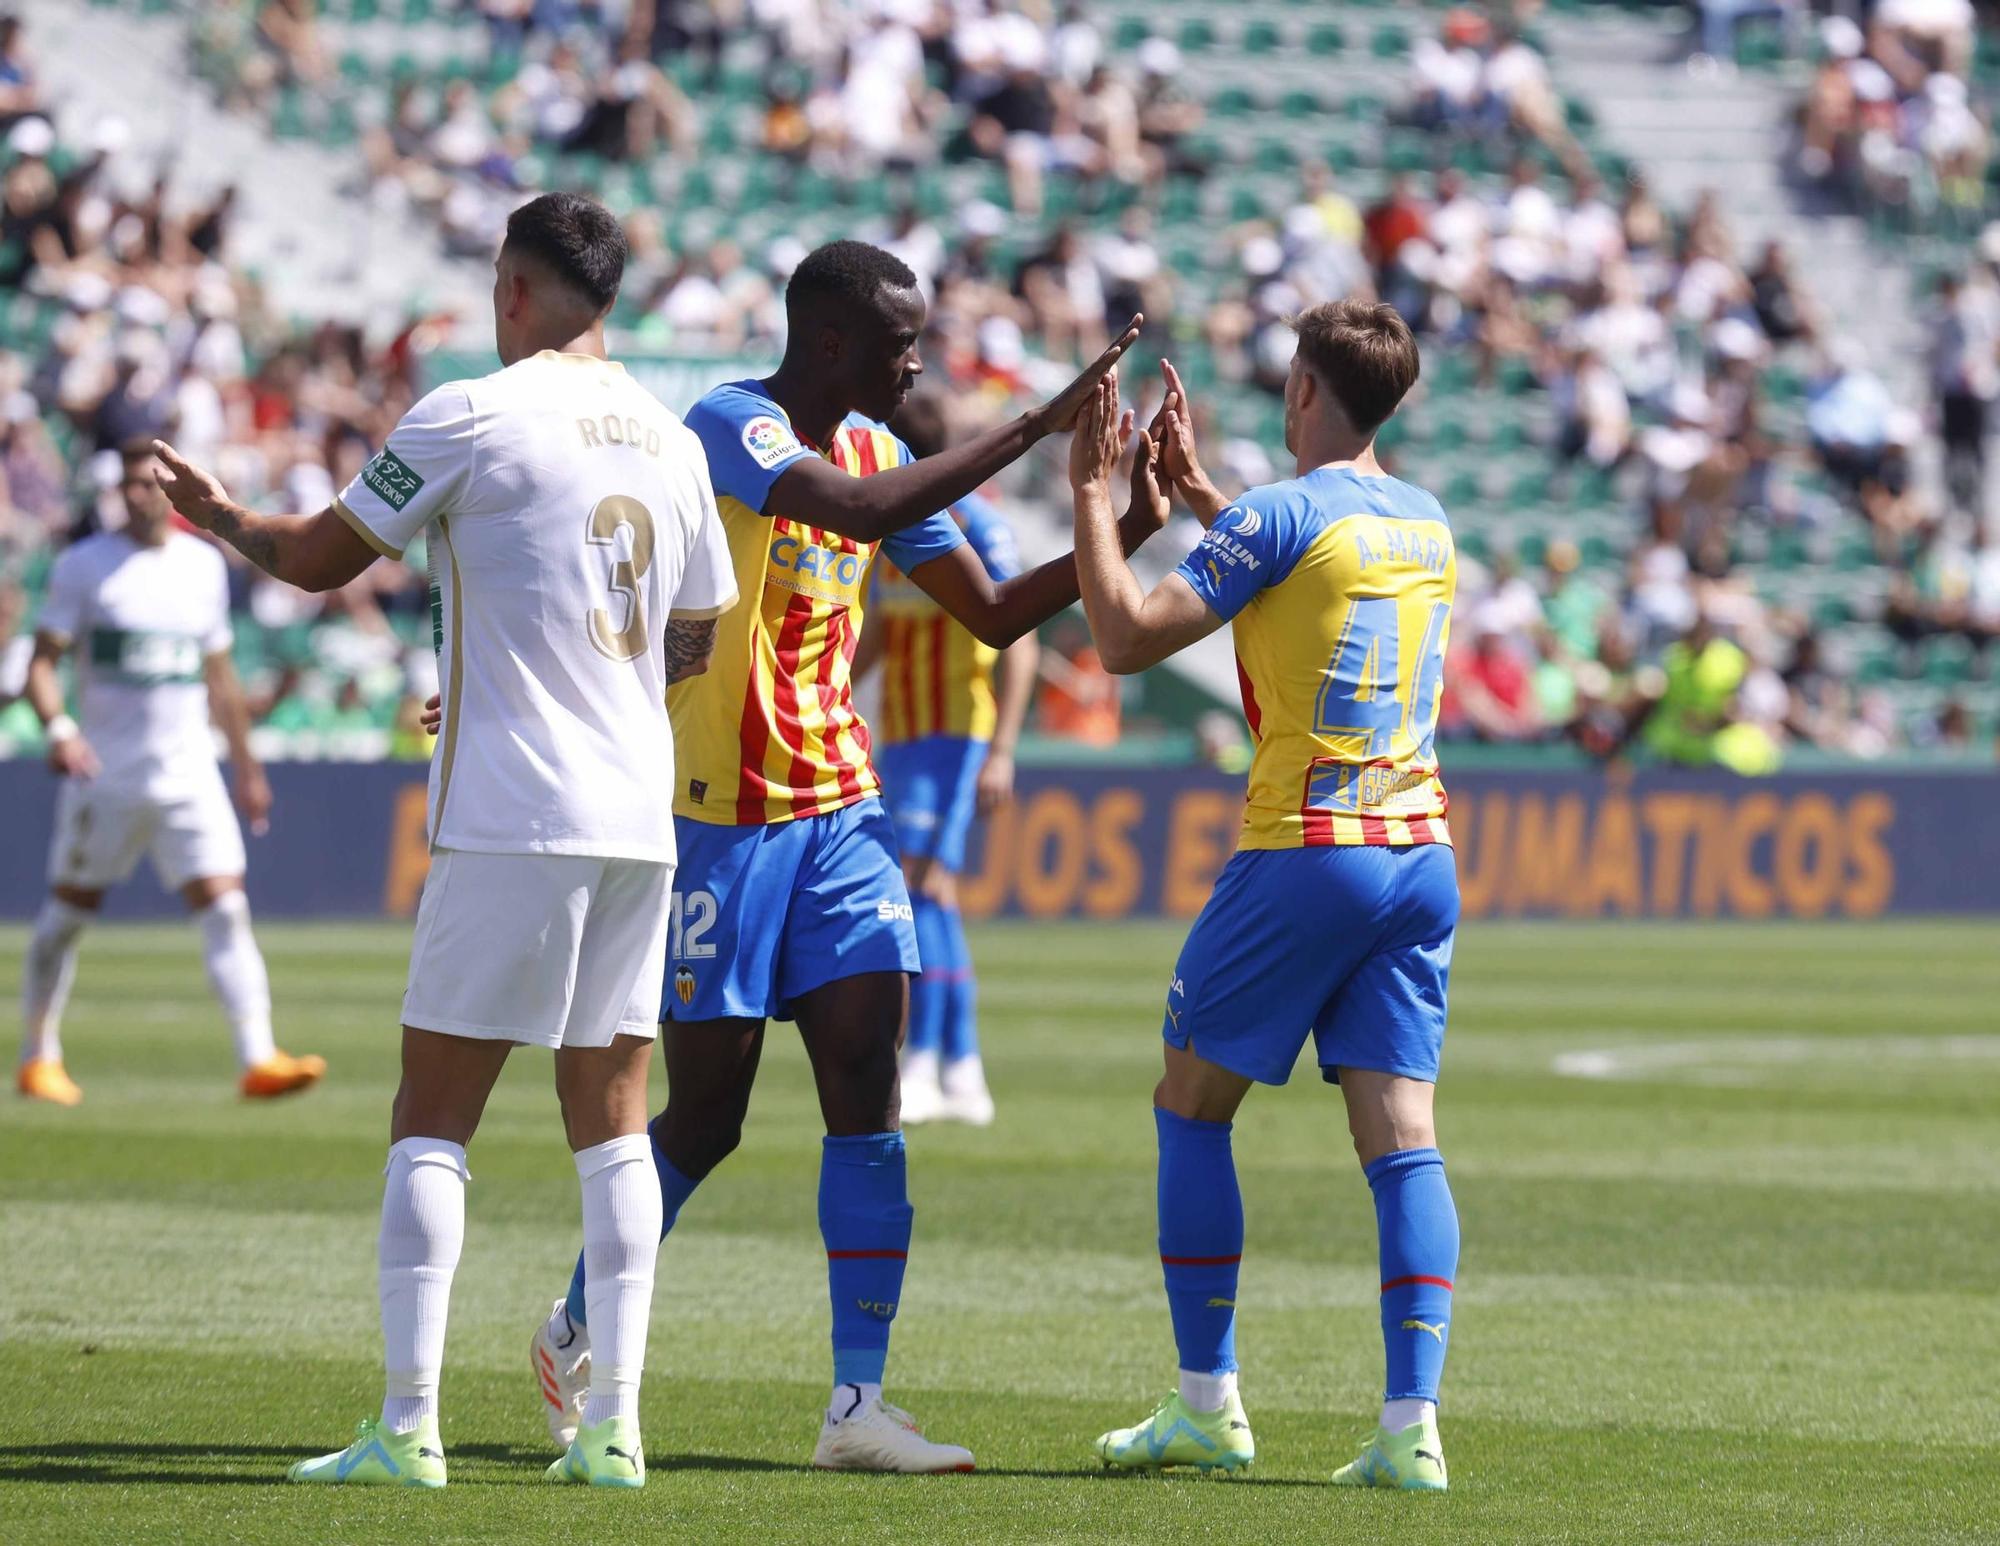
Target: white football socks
column 621, row 1245
column 46, row 976
column 236, row 973
column 423, row 1229
column 1207, row 1392
column 852, row 1400
column 1405, row 1410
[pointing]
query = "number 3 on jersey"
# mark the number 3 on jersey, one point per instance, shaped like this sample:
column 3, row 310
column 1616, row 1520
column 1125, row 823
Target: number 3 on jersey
column 610, row 513
column 1361, row 696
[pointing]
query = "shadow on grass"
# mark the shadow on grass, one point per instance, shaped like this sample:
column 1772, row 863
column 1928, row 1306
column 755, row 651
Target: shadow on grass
column 258, row 1465
column 233, row 1465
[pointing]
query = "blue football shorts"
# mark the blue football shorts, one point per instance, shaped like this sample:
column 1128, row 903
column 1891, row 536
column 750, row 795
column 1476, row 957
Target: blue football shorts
column 763, row 914
column 932, row 786
column 1349, row 945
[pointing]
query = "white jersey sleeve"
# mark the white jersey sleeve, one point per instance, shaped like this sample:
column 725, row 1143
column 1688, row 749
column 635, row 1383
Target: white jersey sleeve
column 708, row 583
column 421, row 474
column 68, row 594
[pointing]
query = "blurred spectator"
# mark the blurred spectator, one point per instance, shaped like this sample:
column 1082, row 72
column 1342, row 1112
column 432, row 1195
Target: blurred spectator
column 1965, row 376
column 1079, row 700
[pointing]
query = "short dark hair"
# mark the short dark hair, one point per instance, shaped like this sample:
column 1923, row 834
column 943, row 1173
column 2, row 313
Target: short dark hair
column 1364, row 353
column 576, row 239
column 844, row 273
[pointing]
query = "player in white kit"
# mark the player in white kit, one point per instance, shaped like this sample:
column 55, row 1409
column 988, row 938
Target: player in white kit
column 580, row 566
column 145, row 611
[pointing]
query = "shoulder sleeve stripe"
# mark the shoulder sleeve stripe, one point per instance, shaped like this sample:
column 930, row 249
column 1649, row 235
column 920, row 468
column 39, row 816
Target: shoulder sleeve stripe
column 361, row 529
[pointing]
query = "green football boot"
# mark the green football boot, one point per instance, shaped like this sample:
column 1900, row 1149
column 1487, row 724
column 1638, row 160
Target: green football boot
column 379, row 1458
column 1412, row 1460
column 607, row 1455
column 1177, row 1435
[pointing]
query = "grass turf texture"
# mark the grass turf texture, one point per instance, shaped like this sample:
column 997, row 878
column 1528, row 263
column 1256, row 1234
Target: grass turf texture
column 1741, row 1291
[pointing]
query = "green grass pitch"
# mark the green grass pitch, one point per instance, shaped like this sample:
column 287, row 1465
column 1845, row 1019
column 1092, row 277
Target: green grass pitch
column 1731, row 1202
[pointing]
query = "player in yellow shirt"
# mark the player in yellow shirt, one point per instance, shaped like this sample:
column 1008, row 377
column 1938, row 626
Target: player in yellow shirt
column 951, row 717
column 1336, row 915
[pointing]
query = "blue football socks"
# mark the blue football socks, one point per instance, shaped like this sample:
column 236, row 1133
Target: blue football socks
column 864, row 1217
column 675, row 1189
column 961, row 1009
column 1418, row 1228
column 1201, row 1239
column 929, row 991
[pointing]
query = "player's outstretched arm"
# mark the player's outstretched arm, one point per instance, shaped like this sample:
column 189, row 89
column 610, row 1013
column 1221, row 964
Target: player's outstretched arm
column 1173, row 435
column 314, row 552
column 1133, row 630
column 813, row 492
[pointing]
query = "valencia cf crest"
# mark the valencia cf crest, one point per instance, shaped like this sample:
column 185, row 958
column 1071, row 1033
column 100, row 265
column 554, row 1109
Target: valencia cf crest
column 684, row 985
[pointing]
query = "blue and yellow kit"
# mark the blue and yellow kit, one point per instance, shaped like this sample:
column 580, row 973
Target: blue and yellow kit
column 1336, row 914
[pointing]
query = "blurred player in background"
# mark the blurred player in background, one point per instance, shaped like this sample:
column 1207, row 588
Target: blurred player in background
column 146, row 611
column 790, row 902
column 951, row 717
column 1336, row 915
column 581, row 568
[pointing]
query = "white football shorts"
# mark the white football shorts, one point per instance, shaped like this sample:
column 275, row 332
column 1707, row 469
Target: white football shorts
column 552, row 950
column 101, row 831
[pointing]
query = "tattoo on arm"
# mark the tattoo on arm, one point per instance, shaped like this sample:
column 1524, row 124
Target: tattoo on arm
column 689, row 642
column 254, row 544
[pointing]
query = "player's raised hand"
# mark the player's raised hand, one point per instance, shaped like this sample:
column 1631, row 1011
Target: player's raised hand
column 191, row 491
column 1173, row 428
column 1060, row 412
column 1152, row 489
column 1100, row 436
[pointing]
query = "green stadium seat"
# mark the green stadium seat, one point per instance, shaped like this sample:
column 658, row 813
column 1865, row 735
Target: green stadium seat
column 288, row 114
column 1274, row 154
column 1130, row 32
column 1232, row 102
column 416, row 12
column 1261, row 37
column 1462, row 488
column 1325, row 39
column 1197, row 35
column 1516, row 377
column 1300, row 102
column 1389, row 42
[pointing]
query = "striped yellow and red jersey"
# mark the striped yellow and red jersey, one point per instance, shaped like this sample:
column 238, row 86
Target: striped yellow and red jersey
column 769, row 732
column 1339, row 587
column 937, row 679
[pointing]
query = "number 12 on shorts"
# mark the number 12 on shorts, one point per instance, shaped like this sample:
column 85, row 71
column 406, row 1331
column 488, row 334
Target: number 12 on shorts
column 694, row 915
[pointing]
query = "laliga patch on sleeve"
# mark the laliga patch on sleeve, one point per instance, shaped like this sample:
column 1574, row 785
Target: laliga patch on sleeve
column 390, row 479
column 769, row 441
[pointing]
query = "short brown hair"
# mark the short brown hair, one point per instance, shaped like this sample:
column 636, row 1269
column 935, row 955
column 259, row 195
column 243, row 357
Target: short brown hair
column 1363, row 353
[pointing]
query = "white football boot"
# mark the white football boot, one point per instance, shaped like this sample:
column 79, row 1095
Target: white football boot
column 922, row 1099
column 963, row 1093
column 883, row 1438
column 561, row 1356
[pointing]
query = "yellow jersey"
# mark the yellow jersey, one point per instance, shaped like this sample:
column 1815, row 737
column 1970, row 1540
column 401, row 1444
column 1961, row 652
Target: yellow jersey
column 1338, row 587
column 937, row 679
column 769, row 732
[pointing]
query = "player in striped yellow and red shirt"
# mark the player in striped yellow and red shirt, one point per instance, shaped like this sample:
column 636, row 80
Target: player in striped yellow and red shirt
column 790, row 901
column 951, row 715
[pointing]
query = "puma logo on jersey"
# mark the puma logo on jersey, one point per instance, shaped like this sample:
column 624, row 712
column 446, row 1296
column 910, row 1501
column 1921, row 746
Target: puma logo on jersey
column 1436, row 1331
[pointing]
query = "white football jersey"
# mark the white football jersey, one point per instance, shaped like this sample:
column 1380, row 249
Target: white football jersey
column 142, row 622
column 571, row 516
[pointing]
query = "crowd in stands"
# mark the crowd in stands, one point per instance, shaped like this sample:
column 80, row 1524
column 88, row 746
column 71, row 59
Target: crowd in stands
column 1679, row 397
